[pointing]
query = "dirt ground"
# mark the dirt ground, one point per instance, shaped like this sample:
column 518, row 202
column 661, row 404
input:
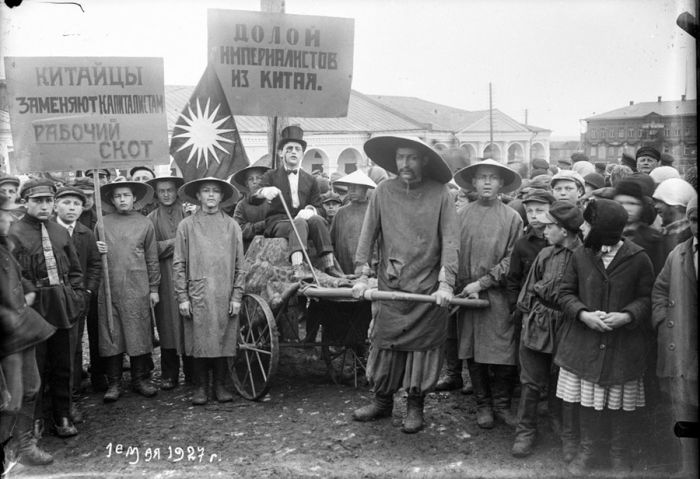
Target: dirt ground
column 302, row 428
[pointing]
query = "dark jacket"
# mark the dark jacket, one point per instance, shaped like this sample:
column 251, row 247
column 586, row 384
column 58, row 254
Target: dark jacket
column 61, row 305
column 617, row 356
column 20, row 326
column 651, row 241
column 88, row 218
column 524, row 253
column 89, row 256
column 675, row 315
column 308, row 192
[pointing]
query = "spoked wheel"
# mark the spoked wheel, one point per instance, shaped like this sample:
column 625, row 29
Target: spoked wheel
column 346, row 364
column 256, row 361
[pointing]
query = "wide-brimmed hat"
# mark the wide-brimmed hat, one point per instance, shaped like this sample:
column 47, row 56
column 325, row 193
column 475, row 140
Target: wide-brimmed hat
column 143, row 194
column 511, row 179
column 291, row 133
column 239, row 176
column 358, row 178
column 188, row 191
column 175, row 179
column 382, row 151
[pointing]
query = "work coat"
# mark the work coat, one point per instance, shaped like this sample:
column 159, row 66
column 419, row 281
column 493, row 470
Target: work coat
column 134, row 273
column 208, row 272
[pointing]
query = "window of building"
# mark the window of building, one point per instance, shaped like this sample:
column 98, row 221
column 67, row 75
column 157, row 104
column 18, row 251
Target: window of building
column 350, row 167
column 667, row 132
column 593, row 152
column 621, row 133
column 594, row 134
column 639, row 133
column 687, row 131
column 611, row 133
column 630, row 133
column 676, row 132
column 667, row 149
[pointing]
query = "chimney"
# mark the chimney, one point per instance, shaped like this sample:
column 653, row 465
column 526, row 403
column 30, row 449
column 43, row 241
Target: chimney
column 631, row 102
column 658, row 99
column 682, row 97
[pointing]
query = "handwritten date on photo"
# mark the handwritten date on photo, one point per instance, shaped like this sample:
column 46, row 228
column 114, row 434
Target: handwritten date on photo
column 135, row 454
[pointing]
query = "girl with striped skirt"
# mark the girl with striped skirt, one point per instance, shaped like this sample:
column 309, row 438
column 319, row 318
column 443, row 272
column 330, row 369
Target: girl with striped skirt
column 605, row 297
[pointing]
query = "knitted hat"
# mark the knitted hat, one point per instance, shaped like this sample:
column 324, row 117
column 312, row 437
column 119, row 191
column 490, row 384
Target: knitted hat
column 675, row 192
column 583, row 167
column 595, row 180
column 607, row 219
column 648, row 151
column 661, row 173
column 563, row 213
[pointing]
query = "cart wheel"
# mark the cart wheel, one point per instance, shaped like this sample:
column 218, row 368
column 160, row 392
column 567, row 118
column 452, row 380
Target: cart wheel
column 256, row 360
column 346, row 364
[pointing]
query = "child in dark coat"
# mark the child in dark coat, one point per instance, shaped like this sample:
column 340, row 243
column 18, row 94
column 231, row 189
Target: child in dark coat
column 605, row 297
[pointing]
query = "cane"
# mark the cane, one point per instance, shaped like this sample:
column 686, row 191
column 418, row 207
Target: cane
column 303, row 248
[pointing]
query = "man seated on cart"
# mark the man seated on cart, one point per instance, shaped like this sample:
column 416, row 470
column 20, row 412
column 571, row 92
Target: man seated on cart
column 412, row 219
column 300, row 193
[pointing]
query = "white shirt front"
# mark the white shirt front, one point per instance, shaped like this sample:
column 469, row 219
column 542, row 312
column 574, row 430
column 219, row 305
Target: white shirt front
column 294, row 188
column 69, row 227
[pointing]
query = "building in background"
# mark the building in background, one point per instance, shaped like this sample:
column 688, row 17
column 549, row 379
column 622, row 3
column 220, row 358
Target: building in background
column 669, row 126
column 563, row 149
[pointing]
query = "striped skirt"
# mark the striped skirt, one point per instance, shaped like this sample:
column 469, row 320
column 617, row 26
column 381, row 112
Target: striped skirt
column 628, row 396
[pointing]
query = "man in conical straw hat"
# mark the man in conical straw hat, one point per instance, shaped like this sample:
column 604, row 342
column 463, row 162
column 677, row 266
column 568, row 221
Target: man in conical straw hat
column 488, row 230
column 410, row 219
column 134, row 276
column 347, row 224
column 208, row 276
column 250, row 217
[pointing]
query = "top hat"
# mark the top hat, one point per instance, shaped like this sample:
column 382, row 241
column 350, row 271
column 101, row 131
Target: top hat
column 291, row 133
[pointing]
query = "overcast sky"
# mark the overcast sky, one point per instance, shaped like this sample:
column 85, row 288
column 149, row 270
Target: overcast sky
column 560, row 60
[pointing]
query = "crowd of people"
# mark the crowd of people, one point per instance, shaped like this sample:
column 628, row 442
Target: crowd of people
column 590, row 272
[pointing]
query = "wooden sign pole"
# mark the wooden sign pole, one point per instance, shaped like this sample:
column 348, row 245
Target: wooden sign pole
column 105, row 263
column 275, row 124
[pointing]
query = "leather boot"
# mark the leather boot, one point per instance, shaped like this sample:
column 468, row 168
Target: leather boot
column 526, row 429
column 452, row 375
column 140, row 376
column 220, row 374
column 620, row 462
column 504, row 379
column 569, row 430
column 381, row 406
column 200, row 371
column 482, row 394
column 113, row 367
column 187, row 369
column 414, row 414
column 29, row 432
column 590, row 428
column 467, row 387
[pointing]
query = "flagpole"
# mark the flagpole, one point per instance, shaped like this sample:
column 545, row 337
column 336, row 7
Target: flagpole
column 275, row 123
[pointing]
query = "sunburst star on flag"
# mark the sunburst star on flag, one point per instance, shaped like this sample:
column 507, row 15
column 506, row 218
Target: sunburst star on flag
column 203, row 133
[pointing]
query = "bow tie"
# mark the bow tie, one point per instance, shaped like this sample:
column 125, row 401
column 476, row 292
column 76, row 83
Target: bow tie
column 292, row 172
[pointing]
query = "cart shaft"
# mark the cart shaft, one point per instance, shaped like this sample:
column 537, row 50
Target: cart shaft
column 376, row 295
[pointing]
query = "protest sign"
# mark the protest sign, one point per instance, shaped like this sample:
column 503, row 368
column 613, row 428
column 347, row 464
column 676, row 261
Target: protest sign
column 277, row 64
column 79, row 113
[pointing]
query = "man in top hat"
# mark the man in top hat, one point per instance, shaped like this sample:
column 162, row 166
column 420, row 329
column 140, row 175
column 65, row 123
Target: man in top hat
column 488, row 232
column 166, row 218
column 410, row 220
column 568, row 185
column 21, row 330
column 250, row 217
column 647, row 158
column 208, row 278
column 347, row 222
column 50, row 262
column 134, row 277
column 68, row 206
column 300, row 192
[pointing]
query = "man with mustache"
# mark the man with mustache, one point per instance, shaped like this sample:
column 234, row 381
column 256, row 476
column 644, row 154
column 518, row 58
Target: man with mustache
column 301, row 194
column 411, row 221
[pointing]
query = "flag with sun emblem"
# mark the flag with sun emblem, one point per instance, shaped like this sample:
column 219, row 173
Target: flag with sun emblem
column 205, row 139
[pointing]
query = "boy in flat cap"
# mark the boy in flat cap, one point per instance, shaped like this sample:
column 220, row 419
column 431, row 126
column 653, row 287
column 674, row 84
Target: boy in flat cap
column 568, row 185
column 208, row 277
column 488, row 232
column 49, row 261
column 301, row 194
column 68, row 206
column 331, row 203
column 411, row 221
column 134, row 276
column 541, row 319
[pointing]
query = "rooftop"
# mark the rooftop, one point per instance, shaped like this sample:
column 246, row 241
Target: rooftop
column 640, row 110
